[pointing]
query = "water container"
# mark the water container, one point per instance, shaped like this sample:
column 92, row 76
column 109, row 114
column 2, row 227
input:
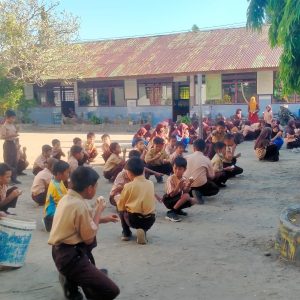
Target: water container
column 15, row 237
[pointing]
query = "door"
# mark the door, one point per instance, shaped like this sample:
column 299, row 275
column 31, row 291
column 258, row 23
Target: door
column 67, row 97
column 181, row 100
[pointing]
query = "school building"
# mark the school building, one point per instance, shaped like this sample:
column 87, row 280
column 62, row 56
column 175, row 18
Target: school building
column 150, row 79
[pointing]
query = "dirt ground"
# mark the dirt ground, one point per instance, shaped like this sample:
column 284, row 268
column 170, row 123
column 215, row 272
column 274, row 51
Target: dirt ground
column 217, row 252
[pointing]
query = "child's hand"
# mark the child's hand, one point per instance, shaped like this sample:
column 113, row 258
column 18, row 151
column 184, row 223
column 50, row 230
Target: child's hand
column 109, row 219
column 16, row 193
column 100, row 205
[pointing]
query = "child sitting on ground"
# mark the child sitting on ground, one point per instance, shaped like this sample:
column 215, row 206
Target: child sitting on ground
column 73, row 236
column 90, row 147
column 8, row 196
column 41, row 182
column 139, row 145
column 179, row 150
column 115, row 164
column 230, row 158
column 41, row 162
column 136, row 205
column 217, row 136
column 22, row 163
column 75, row 158
column 57, row 152
column 78, row 142
column 56, row 190
column 158, row 160
column 177, row 191
column 122, row 179
column 105, row 138
column 221, row 173
column 171, row 146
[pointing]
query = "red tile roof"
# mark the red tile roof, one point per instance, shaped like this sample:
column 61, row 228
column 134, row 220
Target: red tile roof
column 234, row 49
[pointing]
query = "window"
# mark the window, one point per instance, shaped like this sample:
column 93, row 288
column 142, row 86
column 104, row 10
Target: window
column 184, row 92
column 86, row 97
column 155, row 94
column 48, row 96
column 278, row 96
column 233, row 86
column 102, row 96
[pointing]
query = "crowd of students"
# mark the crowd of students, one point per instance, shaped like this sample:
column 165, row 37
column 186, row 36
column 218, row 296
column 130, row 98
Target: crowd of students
column 61, row 186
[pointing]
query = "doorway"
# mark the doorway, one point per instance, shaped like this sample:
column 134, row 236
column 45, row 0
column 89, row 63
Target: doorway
column 181, row 100
column 67, row 97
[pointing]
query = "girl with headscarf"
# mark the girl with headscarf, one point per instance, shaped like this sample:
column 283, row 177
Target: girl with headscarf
column 292, row 138
column 139, row 135
column 183, row 134
column 253, row 110
column 263, row 147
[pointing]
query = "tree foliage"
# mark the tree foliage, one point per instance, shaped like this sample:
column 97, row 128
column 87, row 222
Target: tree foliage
column 195, row 28
column 283, row 16
column 37, row 42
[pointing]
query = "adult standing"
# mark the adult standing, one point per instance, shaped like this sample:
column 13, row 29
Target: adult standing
column 9, row 133
column 253, row 109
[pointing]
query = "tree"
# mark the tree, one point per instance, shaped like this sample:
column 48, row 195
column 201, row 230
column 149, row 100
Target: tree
column 283, row 17
column 195, row 28
column 38, row 43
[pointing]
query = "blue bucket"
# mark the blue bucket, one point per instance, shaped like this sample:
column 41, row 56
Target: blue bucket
column 15, row 237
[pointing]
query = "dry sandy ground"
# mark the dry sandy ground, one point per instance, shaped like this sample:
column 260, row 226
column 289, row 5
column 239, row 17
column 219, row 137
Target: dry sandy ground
column 217, row 252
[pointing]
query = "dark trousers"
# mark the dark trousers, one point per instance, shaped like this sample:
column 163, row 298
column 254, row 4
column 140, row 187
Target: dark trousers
column 164, row 169
column 77, row 264
column 208, row 189
column 272, row 153
column 236, row 171
column 221, row 177
column 170, row 202
column 40, row 199
column 48, row 221
column 112, row 174
column 294, row 144
column 135, row 220
column 10, row 157
column 12, row 203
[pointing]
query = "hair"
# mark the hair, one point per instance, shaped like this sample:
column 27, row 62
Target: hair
column 83, row 177
column 135, row 165
column 75, row 149
column 247, row 123
column 10, row 113
column 90, row 135
column 219, row 146
column 113, row 146
column 77, row 140
column 228, row 136
column 51, row 162
column 4, row 168
column 158, row 141
column 173, row 137
column 221, row 123
column 55, row 142
column 60, row 167
column 46, row 148
column 179, row 144
column 134, row 153
column 237, row 111
column 136, row 141
column 180, row 162
column 199, row 145
column 104, row 136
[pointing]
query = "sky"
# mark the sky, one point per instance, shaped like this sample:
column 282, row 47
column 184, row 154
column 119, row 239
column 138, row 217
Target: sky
column 125, row 18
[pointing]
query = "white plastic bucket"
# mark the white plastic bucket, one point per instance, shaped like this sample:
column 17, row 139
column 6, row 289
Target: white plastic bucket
column 15, row 237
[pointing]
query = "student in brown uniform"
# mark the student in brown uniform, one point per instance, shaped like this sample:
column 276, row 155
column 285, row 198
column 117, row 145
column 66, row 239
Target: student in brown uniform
column 41, row 161
column 9, row 133
column 76, row 156
column 22, row 159
column 56, row 150
column 8, row 196
column 73, row 236
column 41, row 182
